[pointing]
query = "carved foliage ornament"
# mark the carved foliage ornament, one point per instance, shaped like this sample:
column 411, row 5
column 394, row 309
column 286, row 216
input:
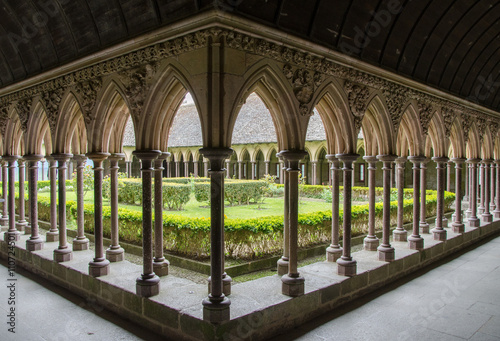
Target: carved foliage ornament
column 52, row 101
column 357, row 96
column 23, row 110
column 88, row 91
column 395, row 99
column 304, row 83
column 425, row 111
column 481, row 128
column 138, row 82
column 4, row 117
column 448, row 116
column 466, row 125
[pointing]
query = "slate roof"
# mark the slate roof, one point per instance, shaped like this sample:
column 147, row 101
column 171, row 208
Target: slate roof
column 253, row 125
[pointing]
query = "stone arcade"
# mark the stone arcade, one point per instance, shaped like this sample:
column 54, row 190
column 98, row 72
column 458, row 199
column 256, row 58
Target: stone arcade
column 221, row 52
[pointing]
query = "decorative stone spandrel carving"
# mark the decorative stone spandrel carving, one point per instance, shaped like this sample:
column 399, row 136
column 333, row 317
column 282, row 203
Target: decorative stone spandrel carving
column 357, row 96
column 23, row 111
column 52, row 101
column 466, row 125
column 426, row 112
column 448, row 117
column 137, row 84
column 88, row 92
column 304, row 83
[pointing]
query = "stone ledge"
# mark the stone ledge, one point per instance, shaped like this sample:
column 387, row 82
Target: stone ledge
column 258, row 309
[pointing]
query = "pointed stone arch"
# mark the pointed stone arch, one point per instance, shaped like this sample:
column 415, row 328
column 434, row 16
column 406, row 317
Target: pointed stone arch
column 71, row 132
column 13, row 135
column 457, row 139
column 487, row 145
column 473, row 144
column 411, row 129
column 436, row 133
column 377, row 120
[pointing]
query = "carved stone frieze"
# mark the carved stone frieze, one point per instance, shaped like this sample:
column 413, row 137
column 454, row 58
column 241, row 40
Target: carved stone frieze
column 493, row 129
column 4, row 117
column 466, row 125
column 304, row 83
column 88, row 91
column 52, row 101
column 357, row 96
column 426, row 112
column 448, row 116
column 23, row 111
column 481, row 128
column 395, row 98
column 137, row 84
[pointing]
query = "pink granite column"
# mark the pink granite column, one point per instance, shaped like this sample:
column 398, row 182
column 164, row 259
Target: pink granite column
column 467, row 176
column 346, row 266
column 415, row 241
column 114, row 253
column 457, row 225
column 438, row 232
column 35, row 242
column 480, row 209
column 371, row 241
column 63, row 252
column 385, row 250
column 254, row 174
column 314, row 169
column 4, row 220
column 473, row 219
column 493, row 181
column 160, row 264
column 283, row 261
column 293, row 283
column 400, row 234
column 99, row 266
column 424, row 226
column 21, row 224
column 195, row 168
column 216, row 307
column 496, row 212
column 149, row 283
column 334, row 251
column 240, row 170
column 12, row 233
column 52, row 234
column 487, row 217
column 80, row 242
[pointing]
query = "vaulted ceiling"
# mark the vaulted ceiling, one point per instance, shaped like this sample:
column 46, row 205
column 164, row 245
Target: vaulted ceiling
column 450, row 45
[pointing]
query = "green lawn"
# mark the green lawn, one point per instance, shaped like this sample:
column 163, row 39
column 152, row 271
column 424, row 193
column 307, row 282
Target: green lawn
column 271, row 206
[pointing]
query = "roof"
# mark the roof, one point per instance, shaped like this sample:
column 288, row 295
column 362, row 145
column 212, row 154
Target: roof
column 450, row 45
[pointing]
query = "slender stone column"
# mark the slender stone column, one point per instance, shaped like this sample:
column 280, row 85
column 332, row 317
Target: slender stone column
column 114, row 253
column 457, row 225
column 186, row 169
column 52, row 234
column 400, row 234
column 63, row 252
column 216, row 305
column 496, row 213
column 21, row 224
column 35, row 242
column 415, row 241
column 314, row 169
column 149, row 283
column 205, row 168
column 480, row 209
column 469, row 182
column 5, row 215
column 177, row 169
column 487, row 216
column 254, row 173
column 473, row 219
column 448, row 176
column 334, row 251
column 129, row 168
column 80, row 242
column 266, row 163
column 346, row 266
column 99, row 266
column 385, row 250
column 283, row 261
column 438, row 232
column 43, row 169
column 424, row 226
column 228, row 169
column 293, row 283
column 282, row 171
column 371, row 241
column 492, row 185
column 240, row 170
column 12, row 234
column 160, row 264
column 467, row 176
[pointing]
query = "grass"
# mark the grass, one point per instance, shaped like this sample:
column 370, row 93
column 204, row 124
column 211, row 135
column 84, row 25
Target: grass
column 194, row 209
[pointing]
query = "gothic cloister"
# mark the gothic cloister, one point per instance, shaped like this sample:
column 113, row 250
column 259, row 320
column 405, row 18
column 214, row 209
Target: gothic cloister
column 78, row 109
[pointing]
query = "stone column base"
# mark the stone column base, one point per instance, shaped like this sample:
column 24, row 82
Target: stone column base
column 386, row 254
column 34, row 244
column 4, row 221
column 416, row 243
column 216, row 312
column 496, row 214
column 444, row 222
column 63, row 255
column 332, row 254
column 115, row 255
column 99, row 268
column 480, row 210
column 439, row 234
column 468, row 213
column 12, row 236
column 51, row 237
column 80, row 244
column 474, row 222
column 346, row 267
column 27, row 229
column 400, row 235
column 21, row 225
column 458, row 228
column 161, row 268
column 226, row 284
column 492, row 207
column 424, row 227
column 282, row 266
column 147, row 287
column 371, row 243
column 487, row 217
column 292, row 286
